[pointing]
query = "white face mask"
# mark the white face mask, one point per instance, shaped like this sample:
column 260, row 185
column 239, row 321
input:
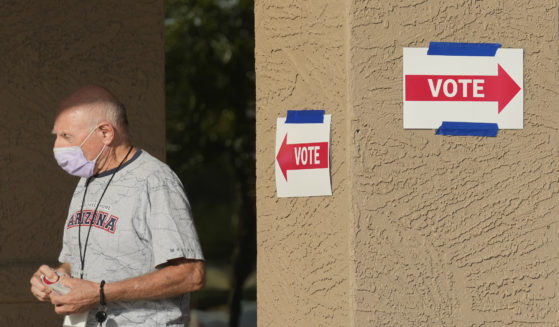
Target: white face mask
column 74, row 162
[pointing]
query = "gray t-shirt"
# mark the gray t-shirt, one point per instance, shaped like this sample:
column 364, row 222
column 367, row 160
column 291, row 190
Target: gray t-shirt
column 143, row 220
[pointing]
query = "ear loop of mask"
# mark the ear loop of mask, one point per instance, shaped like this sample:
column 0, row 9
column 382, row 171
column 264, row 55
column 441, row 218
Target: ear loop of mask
column 88, row 135
column 103, row 148
column 100, row 152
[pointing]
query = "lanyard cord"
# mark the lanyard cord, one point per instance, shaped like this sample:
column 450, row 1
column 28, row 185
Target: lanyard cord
column 82, row 258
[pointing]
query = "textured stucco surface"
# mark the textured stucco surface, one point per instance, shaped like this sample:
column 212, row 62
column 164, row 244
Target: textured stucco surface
column 47, row 50
column 302, row 242
column 422, row 230
column 453, row 231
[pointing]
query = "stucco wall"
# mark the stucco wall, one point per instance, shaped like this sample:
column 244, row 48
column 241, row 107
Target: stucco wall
column 302, row 243
column 424, row 230
column 47, row 50
column 454, row 231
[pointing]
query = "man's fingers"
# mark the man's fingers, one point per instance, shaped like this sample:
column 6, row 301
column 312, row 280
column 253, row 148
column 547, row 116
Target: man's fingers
column 48, row 272
column 38, row 284
column 56, row 299
column 40, row 296
column 65, row 309
column 61, row 309
column 40, row 291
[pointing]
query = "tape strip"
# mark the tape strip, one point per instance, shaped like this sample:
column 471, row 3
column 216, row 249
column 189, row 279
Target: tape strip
column 469, row 129
column 305, row 117
column 463, row 49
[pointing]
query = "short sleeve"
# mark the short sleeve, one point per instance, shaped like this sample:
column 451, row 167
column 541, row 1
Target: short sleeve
column 66, row 252
column 169, row 219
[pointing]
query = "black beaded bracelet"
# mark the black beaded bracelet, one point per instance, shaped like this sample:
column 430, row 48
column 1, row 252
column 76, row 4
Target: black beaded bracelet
column 102, row 293
column 101, row 315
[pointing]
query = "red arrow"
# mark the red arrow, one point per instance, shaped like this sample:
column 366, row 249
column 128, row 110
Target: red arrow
column 501, row 88
column 302, row 156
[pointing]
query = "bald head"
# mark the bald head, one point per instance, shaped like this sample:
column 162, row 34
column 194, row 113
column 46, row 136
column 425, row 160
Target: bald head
column 96, row 104
column 94, row 120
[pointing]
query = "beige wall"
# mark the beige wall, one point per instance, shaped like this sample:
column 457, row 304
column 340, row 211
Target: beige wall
column 47, row 50
column 422, row 230
column 303, row 273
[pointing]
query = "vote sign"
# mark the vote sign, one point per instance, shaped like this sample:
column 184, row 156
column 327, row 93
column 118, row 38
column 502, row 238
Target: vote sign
column 303, row 158
column 481, row 89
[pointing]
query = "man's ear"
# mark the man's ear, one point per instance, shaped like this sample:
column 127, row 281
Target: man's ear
column 107, row 131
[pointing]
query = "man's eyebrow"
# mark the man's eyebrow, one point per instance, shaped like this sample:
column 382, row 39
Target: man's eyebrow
column 62, row 133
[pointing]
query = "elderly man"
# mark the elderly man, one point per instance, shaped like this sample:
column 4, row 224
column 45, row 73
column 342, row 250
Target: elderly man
column 130, row 253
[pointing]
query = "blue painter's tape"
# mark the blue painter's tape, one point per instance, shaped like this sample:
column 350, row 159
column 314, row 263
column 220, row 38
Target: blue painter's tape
column 305, row 117
column 463, row 49
column 470, row 129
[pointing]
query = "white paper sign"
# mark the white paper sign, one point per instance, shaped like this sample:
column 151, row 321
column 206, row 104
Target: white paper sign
column 303, row 159
column 478, row 89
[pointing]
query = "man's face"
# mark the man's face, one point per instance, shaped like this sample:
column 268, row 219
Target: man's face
column 71, row 129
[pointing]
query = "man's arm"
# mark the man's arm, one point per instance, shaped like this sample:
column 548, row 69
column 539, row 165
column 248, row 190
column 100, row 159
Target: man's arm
column 178, row 277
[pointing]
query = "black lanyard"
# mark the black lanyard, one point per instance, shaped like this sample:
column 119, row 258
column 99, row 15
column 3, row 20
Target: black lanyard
column 82, row 257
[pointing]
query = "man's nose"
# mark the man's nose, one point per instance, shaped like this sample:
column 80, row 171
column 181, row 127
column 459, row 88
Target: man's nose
column 58, row 142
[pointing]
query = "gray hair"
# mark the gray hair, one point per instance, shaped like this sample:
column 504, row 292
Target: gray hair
column 115, row 113
column 112, row 111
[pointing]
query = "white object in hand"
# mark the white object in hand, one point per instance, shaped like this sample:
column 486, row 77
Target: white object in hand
column 55, row 285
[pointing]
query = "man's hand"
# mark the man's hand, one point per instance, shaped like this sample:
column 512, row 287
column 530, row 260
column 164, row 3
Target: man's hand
column 38, row 289
column 83, row 296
